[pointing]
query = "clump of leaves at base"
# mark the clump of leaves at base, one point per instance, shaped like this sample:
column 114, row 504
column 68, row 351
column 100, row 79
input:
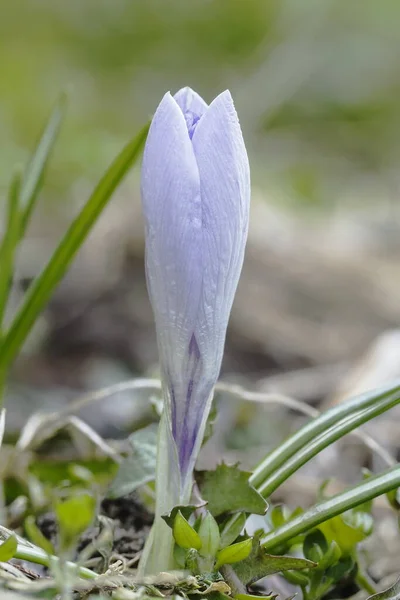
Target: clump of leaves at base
column 202, row 546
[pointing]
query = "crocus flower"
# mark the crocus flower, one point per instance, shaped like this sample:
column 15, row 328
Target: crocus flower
column 196, row 195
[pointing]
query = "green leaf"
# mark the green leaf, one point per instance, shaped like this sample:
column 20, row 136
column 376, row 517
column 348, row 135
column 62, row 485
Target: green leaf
column 227, row 489
column 323, row 511
column 394, row 498
column 2, row 424
column 341, row 569
column 319, row 425
column 331, row 556
column 209, row 535
column 232, row 529
column 74, row 517
column 34, row 173
column 253, row 597
column 184, row 534
column 331, row 435
column 211, row 419
column 140, row 466
column 9, row 244
column 392, row 593
column 279, row 515
column 234, row 553
column 8, row 548
column 36, row 536
column 347, row 530
column 41, row 289
column 180, row 556
column 186, row 510
column 315, row 546
column 259, row 564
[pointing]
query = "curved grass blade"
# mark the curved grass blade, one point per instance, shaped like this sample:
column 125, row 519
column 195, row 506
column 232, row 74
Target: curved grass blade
column 325, row 439
column 338, row 504
column 35, row 170
column 9, row 244
column 392, row 593
column 41, row 289
column 306, row 434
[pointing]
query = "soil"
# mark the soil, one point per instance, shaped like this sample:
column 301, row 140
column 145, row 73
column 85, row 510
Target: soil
column 131, row 524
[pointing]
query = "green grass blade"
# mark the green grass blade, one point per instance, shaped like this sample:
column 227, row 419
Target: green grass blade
column 306, row 434
column 9, row 244
column 338, row 504
column 330, row 436
column 41, row 289
column 34, row 173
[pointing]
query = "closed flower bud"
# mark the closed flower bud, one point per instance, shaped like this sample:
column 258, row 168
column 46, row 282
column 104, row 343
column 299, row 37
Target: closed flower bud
column 196, row 195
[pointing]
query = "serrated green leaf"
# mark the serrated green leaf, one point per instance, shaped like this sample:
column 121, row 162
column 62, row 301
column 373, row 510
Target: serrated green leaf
column 391, row 593
column 41, row 289
column 74, row 517
column 232, row 529
column 234, row 553
column 140, row 466
column 259, row 564
column 8, row 548
column 36, row 536
column 227, row 490
column 209, row 535
column 184, row 534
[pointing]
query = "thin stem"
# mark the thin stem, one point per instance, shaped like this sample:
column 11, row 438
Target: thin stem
column 39, row 557
column 365, row 582
column 321, row 442
column 299, row 439
column 338, row 504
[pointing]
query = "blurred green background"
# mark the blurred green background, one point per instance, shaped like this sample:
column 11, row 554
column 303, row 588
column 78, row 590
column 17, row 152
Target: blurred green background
column 316, row 84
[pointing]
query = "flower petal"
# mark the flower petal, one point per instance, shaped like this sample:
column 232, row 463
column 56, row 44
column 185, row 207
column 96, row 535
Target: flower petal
column 189, row 100
column 225, row 199
column 172, row 211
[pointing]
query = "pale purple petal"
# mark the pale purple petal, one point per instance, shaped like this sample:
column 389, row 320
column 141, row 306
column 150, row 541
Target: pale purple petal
column 225, row 198
column 187, row 99
column 193, row 107
column 172, row 211
column 196, row 192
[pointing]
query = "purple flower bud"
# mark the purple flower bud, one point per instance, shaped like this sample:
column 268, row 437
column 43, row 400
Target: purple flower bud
column 196, row 195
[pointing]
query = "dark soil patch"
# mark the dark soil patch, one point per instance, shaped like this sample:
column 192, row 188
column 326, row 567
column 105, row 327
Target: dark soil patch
column 130, row 520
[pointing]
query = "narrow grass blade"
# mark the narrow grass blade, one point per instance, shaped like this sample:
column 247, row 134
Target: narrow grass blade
column 34, row 173
column 41, row 289
column 330, row 436
column 9, row 244
column 338, row 504
column 306, row 434
column 2, row 424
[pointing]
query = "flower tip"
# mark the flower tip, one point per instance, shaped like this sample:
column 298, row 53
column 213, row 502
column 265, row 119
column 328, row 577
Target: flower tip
column 226, row 97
